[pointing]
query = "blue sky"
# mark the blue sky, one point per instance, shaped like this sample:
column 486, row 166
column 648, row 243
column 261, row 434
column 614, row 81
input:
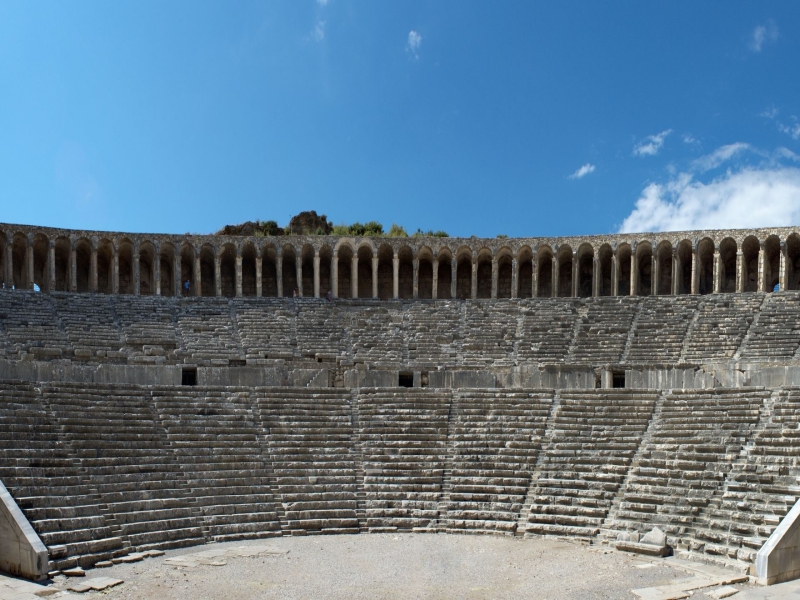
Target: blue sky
column 516, row 118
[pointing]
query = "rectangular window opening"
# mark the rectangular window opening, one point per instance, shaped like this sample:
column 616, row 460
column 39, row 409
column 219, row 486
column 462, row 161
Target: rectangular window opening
column 618, row 380
column 406, row 379
column 189, row 377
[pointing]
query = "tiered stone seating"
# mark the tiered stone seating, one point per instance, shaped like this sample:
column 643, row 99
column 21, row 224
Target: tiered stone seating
column 695, row 438
column 776, row 334
column 90, row 326
column 760, row 489
column 321, row 332
column 494, row 439
column 547, row 329
column 266, row 331
column 489, row 332
column 377, row 333
column 126, row 456
column 149, row 328
column 724, row 319
column 403, row 440
column 216, row 441
column 585, row 458
column 310, row 441
column 661, row 329
column 432, row 333
column 30, row 325
column 208, row 331
column 603, row 330
column 43, row 473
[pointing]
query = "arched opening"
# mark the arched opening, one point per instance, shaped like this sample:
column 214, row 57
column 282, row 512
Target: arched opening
column 405, row 273
column 307, row 261
column 464, row 274
column 166, row 260
column 147, row 282
column 343, row 268
column 705, row 266
column 365, row 272
column 2, row 260
column 125, row 267
column 425, row 273
column 524, row 272
column 325, row 257
column 227, row 270
column 565, row 271
column 750, row 248
column 585, row 270
column 83, row 265
column 385, row 272
column 105, row 267
column 187, row 270
column 504, row 273
column 444, row 269
column 62, row 264
column 793, row 262
column 644, row 264
column 772, row 263
column 269, row 271
column 624, row 270
column 684, row 273
column 484, row 273
column 727, row 266
column 289, row 271
column 605, row 259
column 544, row 267
column 208, row 283
column 19, row 269
column 248, row 269
column 664, row 260
column 41, row 259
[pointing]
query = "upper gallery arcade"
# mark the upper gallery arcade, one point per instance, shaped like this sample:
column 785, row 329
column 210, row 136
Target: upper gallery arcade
column 699, row 262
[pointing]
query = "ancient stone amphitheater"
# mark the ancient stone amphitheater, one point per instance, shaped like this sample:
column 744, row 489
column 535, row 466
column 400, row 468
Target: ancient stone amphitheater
column 159, row 391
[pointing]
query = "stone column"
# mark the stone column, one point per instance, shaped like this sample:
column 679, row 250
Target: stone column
column 596, row 276
column 136, row 288
column 156, row 272
column 614, row 274
column 354, row 277
column 375, row 264
column 316, row 273
column 198, row 276
column 238, row 275
column 514, row 278
column 739, row 272
column 654, row 275
column 554, row 278
column 762, row 260
column 534, row 275
column 435, row 286
column 177, row 276
column 716, row 271
column 115, row 271
column 782, row 274
column 415, row 288
column 29, row 264
column 474, row 291
column 73, row 270
column 453, row 278
column 93, row 271
column 279, row 273
column 575, row 273
column 217, row 274
column 259, row 277
column 335, row 276
column 695, row 271
column 298, row 270
column 51, row 267
column 675, row 268
column 495, row 277
column 396, row 277
column 634, row 273
column 8, row 268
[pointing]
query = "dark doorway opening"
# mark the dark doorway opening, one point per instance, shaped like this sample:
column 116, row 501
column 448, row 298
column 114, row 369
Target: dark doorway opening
column 405, row 379
column 189, row 377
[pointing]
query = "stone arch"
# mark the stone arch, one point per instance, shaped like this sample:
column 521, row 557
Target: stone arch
column 208, row 283
column 663, row 286
column 750, row 249
column 684, row 267
column 365, row 254
column 444, row 271
column 83, row 265
column 105, row 266
column 605, row 259
column 187, row 270
column 249, row 279
column 269, row 271
column 405, row 273
column 3, row 245
column 484, row 273
column 624, row 252
column 227, row 270
column 344, row 256
column 544, row 268
column 585, row 270
column 166, row 257
column 41, row 262
column 564, row 271
column 772, row 262
column 125, row 266
column 19, row 271
column 288, row 270
column 644, row 267
column 425, row 264
column 505, row 272
column 147, row 284
column 705, row 266
column 385, row 272
column 307, row 262
column 727, row 266
column 793, row 262
column 464, row 273
column 325, row 258
column 524, row 272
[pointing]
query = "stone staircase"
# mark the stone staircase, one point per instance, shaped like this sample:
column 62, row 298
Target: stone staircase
column 207, row 331
column 321, row 333
column 661, row 329
column 432, row 332
column 149, row 329
column 488, row 334
column 547, row 329
column 776, row 335
column 603, row 331
column 90, row 327
column 267, row 329
column 725, row 319
column 377, row 333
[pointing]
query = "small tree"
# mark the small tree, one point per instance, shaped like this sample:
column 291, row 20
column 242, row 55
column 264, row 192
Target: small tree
column 397, row 231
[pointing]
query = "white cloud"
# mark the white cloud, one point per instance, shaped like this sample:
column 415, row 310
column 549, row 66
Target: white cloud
column 583, row 171
column 319, row 31
column 414, row 42
column 770, row 113
column 719, row 156
column 762, row 34
column 690, row 139
column 651, row 144
column 792, row 130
